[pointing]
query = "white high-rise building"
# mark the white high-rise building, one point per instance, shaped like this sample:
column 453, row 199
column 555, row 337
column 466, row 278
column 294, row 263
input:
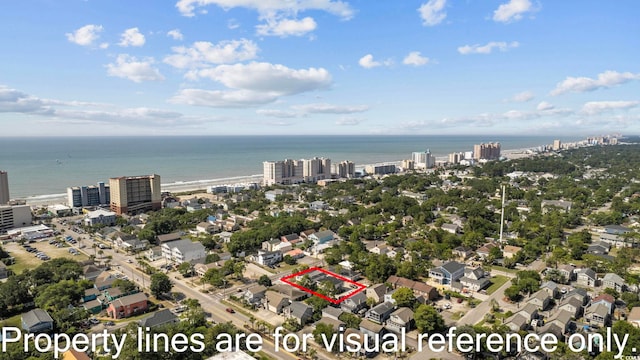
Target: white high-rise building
column 287, row 172
column 345, row 169
column 423, row 159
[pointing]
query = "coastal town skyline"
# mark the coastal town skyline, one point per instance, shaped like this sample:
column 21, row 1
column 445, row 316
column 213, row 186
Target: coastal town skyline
column 221, row 67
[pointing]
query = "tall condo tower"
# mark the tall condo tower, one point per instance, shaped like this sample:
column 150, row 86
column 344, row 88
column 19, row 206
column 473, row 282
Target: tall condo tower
column 4, row 188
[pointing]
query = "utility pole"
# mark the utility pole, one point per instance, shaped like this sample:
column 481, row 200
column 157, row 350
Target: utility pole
column 504, row 190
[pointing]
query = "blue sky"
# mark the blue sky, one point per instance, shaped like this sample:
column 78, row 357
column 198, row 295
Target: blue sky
column 215, row 67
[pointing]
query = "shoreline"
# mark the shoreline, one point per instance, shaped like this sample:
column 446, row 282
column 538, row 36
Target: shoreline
column 195, row 185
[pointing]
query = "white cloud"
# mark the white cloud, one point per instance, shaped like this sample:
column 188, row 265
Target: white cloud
column 512, row 10
column 85, row 35
column 367, row 62
column 523, row 96
column 271, row 7
column 128, row 67
column 267, row 78
column 323, row 108
column 605, row 80
column 488, row 48
column 203, row 53
column 175, row 34
column 349, row 121
column 543, row 105
column 217, row 98
column 416, row 59
column 131, row 37
column 598, row 107
column 12, row 100
column 432, row 12
column 278, row 113
column 286, row 27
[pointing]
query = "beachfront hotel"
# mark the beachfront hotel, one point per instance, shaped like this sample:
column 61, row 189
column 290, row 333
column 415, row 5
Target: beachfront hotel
column 81, row 196
column 4, row 188
column 287, row 172
column 490, row 151
column 423, row 159
column 14, row 216
column 135, row 194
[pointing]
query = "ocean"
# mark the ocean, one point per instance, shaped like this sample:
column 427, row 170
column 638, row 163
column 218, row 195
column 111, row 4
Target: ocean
column 48, row 165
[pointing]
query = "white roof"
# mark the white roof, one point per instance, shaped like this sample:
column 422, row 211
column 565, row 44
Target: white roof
column 100, row 212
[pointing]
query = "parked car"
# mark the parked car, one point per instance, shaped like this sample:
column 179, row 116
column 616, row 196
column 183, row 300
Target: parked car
column 230, row 310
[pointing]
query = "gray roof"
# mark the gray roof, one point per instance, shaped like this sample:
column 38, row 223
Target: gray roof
column 550, row 285
column 324, row 233
column 358, row 298
column 35, row 317
column 518, row 319
column 275, row 298
column 382, row 308
column 161, row 317
column 563, row 317
column 600, row 309
column 588, row 272
column 453, row 266
column 540, row 295
column 298, row 309
column 529, row 309
column 257, row 289
column 405, row 314
column 615, row 278
column 186, row 245
column 573, row 301
column 370, row 325
column 330, row 310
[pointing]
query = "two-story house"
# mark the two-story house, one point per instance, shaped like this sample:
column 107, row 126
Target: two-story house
column 447, row 273
column 380, row 312
column 400, row 319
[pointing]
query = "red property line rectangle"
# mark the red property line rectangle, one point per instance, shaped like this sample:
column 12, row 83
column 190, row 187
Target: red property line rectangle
column 359, row 286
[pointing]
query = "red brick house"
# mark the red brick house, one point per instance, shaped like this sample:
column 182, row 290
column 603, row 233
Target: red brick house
column 128, row 306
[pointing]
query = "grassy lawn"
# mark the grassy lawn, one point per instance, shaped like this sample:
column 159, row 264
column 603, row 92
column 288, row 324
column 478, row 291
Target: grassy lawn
column 504, row 269
column 15, row 321
column 496, row 282
column 26, row 260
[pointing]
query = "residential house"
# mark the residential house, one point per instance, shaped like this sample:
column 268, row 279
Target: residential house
column 37, row 321
column 376, row 292
column 159, row 318
column 597, row 314
column 304, row 235
column 551, row 288
column 360, row 338
column 185, row 250
column 510, row 251
column 616, row 229
column 254, row 294
column 206, row 227
column 201, row 269
column 225, row 236
column 90, row 272
column 606, row 300
column 380, row 312
column 474, row 279
column 451, row 228
column 354, row 303
column 318, row 205
column 634, row 316
column 517, row 322
column 406, row 220
column 73, row 354
column 291, row 238
column 568, row 271
column 559, row 204
column 420, row 289
column 563, row 320
column 586, row 277
column 380, row 249
column 447, row 273
column 332, row 312
column 104, row 280
column 268, row 258
column 127, row 306
column 270, row 245
column 153, row 254
column 541, row 299
column 93, row 306
column 120, row 237
column 292, row 293
column 283, row 247
column 271, row 195
column 90, row 294
column 168, row 237
column 599, row 248
column 530, row 311
column 371, row 329
column 400, row 319
column 463, row 252
column 580, row 294
column 613, row 281
column 322, row 237
column 134, row 245
column 573, row 305
column 276, row 302
column 484, row 251
column 335, row 323
column 295, row 253
column 299, row 311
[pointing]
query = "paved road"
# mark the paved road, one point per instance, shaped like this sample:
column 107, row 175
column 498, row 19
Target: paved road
column 477, row 314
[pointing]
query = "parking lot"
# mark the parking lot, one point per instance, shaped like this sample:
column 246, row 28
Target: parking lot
column 28, row 260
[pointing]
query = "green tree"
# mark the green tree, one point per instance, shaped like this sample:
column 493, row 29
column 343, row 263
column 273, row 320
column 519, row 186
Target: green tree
column 125, row 286
column 404, row 297
column 264, row 281
column 185, row 269
column 428, row 320
column 160, row 284
column 328, row 331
